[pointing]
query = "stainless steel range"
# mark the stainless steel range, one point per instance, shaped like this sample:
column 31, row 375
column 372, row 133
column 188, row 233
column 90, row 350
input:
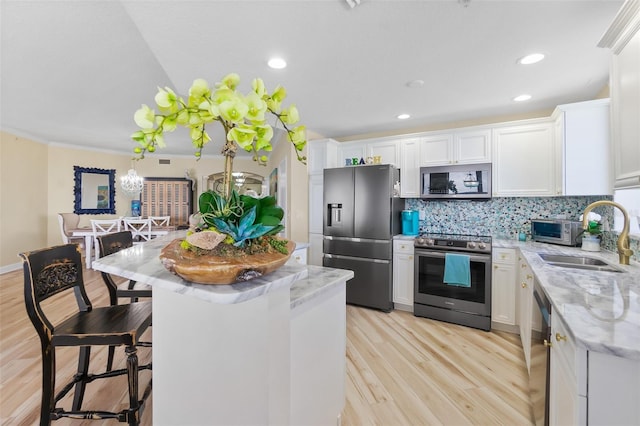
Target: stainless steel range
column 433, row 298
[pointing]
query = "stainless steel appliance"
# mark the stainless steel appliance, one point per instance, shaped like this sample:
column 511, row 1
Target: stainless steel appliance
column 557, row 231
column 460, row 181
column 540, row 358
column 470, row 306
column 361, row 216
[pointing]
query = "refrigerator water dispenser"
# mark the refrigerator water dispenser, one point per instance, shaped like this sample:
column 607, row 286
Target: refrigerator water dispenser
column 410, row 222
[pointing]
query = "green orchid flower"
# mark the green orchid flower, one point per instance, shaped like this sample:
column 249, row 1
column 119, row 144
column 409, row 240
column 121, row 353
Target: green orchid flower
column 257, row 107
column 231, row 81
column 243, row 136
column 167, row 100
column 145, row 117
column 258, row 87
column 290, row 115
column 234, row 110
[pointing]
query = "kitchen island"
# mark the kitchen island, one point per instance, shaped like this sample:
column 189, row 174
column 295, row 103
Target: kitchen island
column 267, row 351
column 595, row 344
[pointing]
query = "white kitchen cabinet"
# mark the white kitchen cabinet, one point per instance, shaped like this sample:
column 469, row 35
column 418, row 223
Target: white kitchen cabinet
column 585, row 386
column 300, row 255
column 582, row 138
column 350, row 151
column 461, row 147
column 623, row 37
column 315, row 249
column 503, row 290
column 524, row 160
column 388, row 151
column 403, row 267
column 315, row 203
column 321, row 154
column 567, row 378
column 525, row 301
column 410, row 168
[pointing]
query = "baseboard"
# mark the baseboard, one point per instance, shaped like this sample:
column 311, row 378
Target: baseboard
column 403, row 307
column 505, row 327
column 10, row 268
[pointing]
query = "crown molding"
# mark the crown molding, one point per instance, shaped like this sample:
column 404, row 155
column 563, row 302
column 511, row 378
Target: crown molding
column 625, row 25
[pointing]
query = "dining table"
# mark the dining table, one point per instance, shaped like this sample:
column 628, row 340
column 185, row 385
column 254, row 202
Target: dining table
column 89, row 240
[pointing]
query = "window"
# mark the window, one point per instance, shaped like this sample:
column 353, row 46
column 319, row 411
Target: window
column 630, row 200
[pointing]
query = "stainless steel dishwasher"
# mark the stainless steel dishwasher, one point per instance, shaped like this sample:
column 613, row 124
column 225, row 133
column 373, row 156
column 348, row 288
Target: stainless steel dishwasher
column 540, row 358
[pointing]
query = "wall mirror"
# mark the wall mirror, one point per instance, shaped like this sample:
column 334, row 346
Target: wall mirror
column 94, row 191
column 243, row 182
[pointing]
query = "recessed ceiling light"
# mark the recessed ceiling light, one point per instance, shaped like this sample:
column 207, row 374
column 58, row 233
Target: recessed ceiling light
column 277, row 63
column 531, row 59
column 403, row 116
column 522, row 98
column 415, row 83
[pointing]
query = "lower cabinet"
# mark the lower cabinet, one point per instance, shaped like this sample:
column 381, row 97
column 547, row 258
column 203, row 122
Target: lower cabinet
column 525, row 301
column 403, row 266
column 567, row 378
column 503, row 290
column 587, row 387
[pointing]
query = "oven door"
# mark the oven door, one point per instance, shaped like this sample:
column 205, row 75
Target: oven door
column 431, row 290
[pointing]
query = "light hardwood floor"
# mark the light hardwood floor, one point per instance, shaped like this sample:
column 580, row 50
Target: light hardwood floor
column 401, row 369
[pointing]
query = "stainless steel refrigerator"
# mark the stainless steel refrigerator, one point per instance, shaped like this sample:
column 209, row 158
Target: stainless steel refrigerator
column 361, row 216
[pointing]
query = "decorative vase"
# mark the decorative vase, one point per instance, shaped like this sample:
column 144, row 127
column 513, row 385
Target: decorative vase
column 210, row 269
column 591, row 243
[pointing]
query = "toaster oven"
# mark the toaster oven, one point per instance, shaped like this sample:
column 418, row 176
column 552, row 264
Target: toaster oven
column 557, row 231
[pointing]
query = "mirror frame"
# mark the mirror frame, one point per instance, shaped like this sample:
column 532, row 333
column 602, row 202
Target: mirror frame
column 77, row 190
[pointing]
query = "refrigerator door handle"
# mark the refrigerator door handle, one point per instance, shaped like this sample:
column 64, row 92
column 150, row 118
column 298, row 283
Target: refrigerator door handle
column 356, row 240
column 362, row 259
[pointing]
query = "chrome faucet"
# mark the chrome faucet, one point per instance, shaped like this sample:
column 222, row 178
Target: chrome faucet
column 624, row 252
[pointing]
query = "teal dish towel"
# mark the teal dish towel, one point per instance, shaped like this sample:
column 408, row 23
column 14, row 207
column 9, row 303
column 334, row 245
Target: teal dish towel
column 457, row 270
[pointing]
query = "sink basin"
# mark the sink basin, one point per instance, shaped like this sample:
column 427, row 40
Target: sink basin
column 578, row 262
column 574, row 260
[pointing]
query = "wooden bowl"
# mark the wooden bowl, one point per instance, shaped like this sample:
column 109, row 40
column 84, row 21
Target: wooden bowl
column 209, row 269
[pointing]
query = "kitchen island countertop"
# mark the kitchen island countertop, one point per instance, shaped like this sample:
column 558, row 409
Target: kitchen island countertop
column 601, row 309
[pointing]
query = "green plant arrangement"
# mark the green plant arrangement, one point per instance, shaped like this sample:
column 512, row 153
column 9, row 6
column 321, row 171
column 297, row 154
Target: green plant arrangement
column 232, row 224
column 243, row 118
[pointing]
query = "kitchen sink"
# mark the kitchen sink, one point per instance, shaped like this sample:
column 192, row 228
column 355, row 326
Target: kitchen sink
column 578, row 262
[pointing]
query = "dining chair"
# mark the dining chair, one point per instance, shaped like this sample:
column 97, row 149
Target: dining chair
column 58, row 271
column 67, row 222
column 140, row 229
column 102, row 227
column 160, row 220
column 120, row 287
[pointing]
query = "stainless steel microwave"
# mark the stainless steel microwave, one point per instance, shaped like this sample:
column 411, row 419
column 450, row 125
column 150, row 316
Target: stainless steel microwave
column 556, row 231
column 459, row 181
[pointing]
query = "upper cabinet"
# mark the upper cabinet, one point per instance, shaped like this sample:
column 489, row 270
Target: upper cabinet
column 582, row 138
column 623, row 38
column 464, row 147
column 321, row 154
column 410, row 168
column 368, row 152
column 524, row 160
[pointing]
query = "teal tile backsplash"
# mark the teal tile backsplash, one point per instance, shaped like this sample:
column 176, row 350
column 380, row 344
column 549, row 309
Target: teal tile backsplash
column 505, row 217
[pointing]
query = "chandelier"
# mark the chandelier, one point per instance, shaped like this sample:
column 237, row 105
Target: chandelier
column 132, row 183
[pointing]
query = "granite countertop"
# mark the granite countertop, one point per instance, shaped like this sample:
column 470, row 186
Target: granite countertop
column 601, row 309
column 141, row 263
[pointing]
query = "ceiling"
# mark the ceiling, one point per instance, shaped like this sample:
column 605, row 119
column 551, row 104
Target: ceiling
column 75, row 72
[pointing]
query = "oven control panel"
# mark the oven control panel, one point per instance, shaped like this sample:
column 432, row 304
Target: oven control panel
column 472, row 243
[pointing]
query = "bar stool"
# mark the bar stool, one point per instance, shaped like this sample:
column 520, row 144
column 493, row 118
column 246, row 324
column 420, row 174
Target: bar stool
column 113, row 243
column 58, row 270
